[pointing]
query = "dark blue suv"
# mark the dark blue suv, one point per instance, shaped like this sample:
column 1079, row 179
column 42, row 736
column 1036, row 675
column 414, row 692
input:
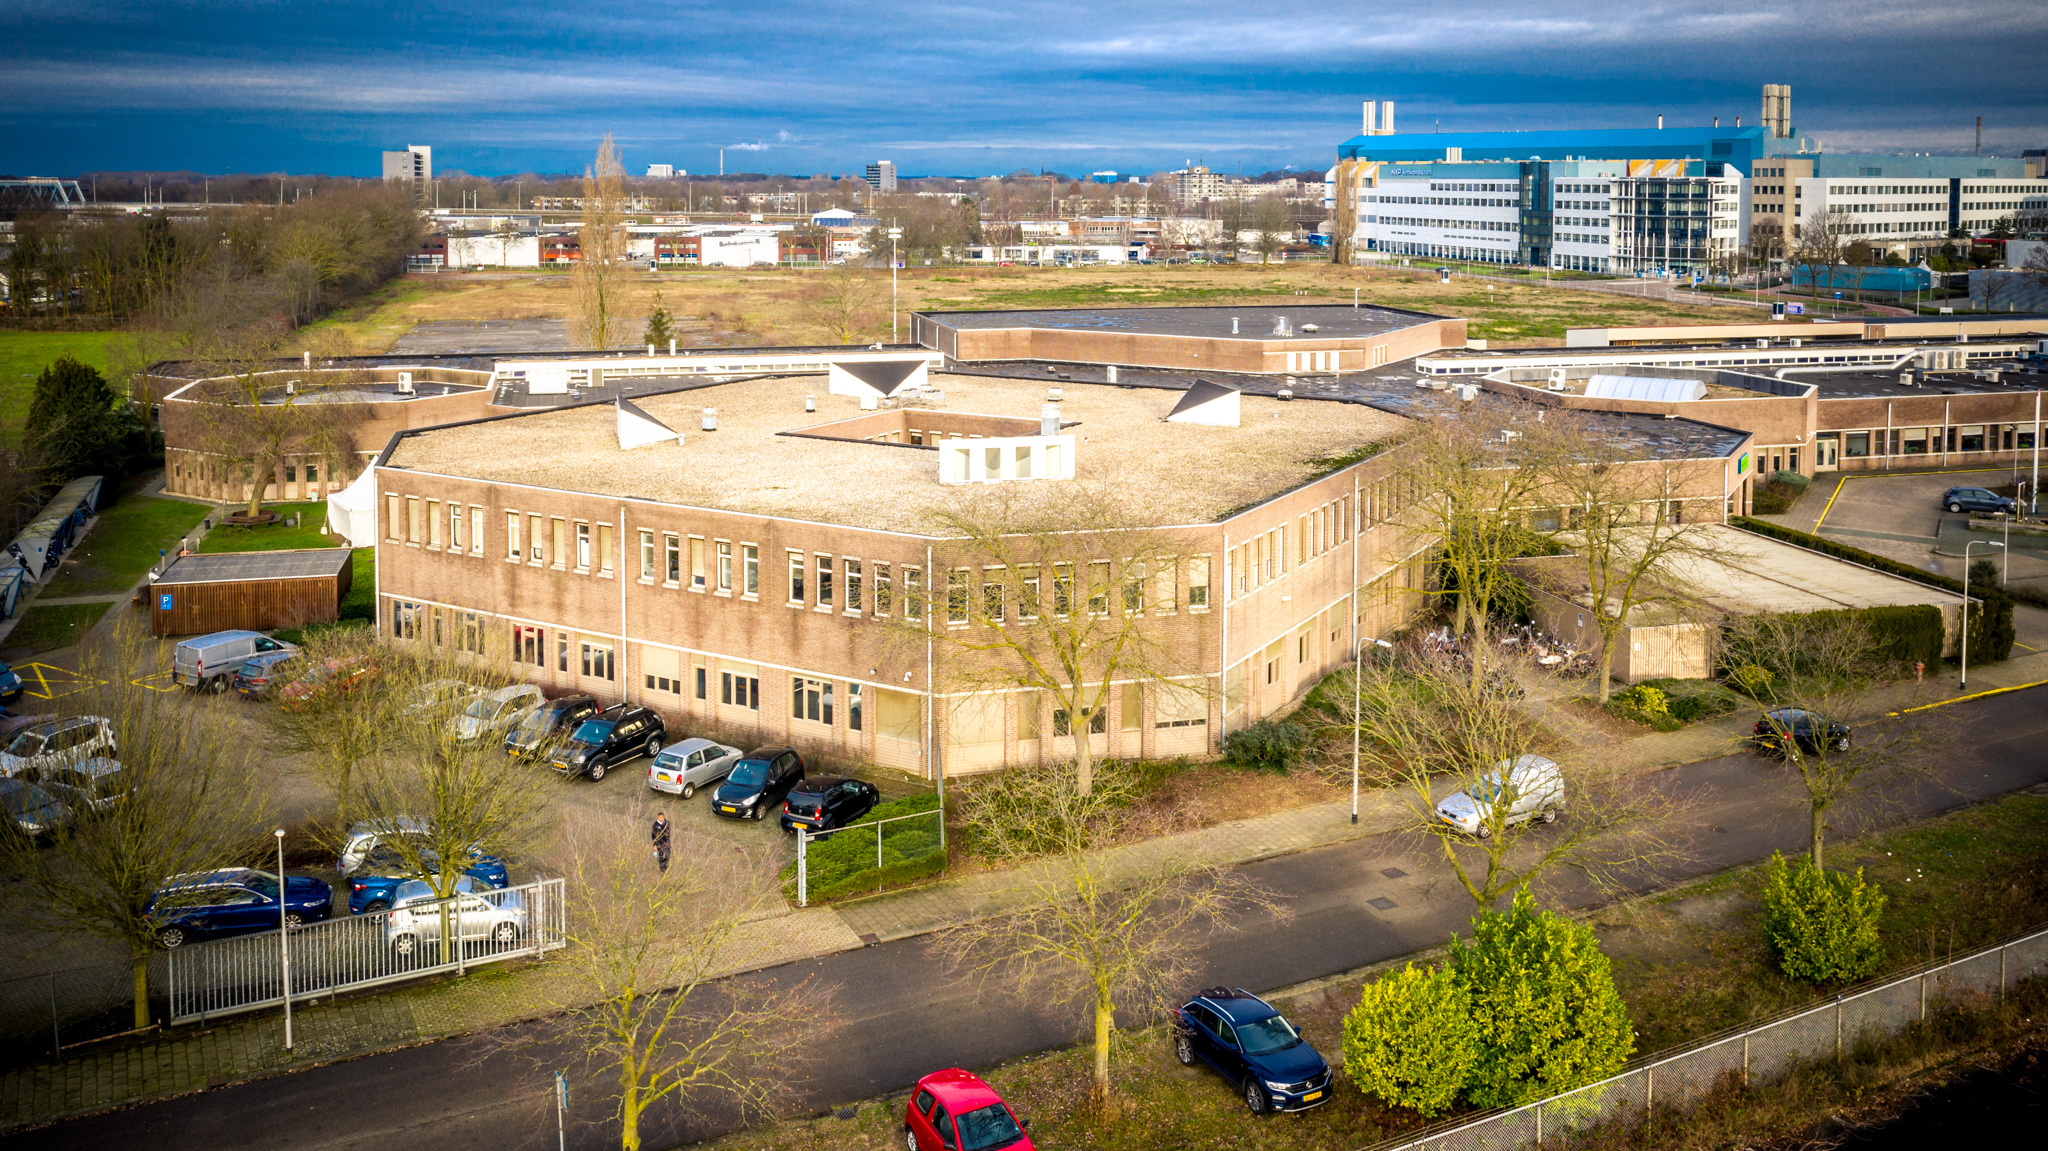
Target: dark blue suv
column 1252, row 1045
column 233, row 901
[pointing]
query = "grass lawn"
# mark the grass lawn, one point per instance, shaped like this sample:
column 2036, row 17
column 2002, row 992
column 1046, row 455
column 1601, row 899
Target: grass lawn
column 47, row 627
column 24, row 355
column 1688, row 962
column 123, row 545
column 277, row 537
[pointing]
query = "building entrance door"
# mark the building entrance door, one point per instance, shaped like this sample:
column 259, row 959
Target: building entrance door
column 1824, row 448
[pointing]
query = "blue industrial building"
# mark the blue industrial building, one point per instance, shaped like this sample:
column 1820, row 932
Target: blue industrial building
column 1741, row 147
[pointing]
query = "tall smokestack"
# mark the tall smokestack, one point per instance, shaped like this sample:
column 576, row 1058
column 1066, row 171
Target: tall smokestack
column 1660, row 121
column 1717, row 121
column 1387, row 117
column 1778, row 110
column 1980, row 135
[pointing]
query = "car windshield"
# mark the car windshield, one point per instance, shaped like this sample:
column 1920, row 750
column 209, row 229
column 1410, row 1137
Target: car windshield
column 1484, row 790
column 987, row 1128
column 26, row 744
column 750, row 773
column 1265, row 1036
column 252, row 667
column 594, row 730
column 669, row 758
column 263, row 885
column 482, row 709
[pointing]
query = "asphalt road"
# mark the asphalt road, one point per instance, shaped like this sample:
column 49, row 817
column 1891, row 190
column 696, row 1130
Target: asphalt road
column 902, row 1016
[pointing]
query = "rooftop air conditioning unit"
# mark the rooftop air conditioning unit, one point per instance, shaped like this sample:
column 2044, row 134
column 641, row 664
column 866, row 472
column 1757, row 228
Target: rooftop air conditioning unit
column 1054, row 395
column 1558, row 383
column 1794, row 341
column 1763, row 342
column 1468, row 392
column 405, row 383
column 1906, row 380
column 1286, row 394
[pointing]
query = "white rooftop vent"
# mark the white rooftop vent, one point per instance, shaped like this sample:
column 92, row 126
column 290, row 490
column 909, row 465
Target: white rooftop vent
column 1205, row 403
column 1656, row 389
column 637, row 429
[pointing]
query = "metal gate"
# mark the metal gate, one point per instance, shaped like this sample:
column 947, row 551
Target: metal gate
column 247, row 973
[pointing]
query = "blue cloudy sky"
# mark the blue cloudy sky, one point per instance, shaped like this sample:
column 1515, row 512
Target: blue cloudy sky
column 960, row 88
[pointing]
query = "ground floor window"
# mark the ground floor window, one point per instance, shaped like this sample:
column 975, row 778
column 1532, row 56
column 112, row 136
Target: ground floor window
column 810, row 699
column 1856, row 444
column 740, row 690
column 1971, row 438
column 597, row 661
column 406, row 619
column 1062, row 723
column 529, row 645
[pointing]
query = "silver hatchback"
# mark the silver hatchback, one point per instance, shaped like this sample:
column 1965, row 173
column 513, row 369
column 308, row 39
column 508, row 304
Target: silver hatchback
column 492, row 916
column 682, row 768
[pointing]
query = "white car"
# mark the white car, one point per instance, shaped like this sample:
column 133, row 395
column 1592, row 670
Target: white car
column 497, row 712
column 442, row 696
column 1528, row 787
column 682, row 768
column 477, row 913
column 52, row 743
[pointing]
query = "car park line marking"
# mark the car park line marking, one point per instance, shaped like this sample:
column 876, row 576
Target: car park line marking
column 54, row 682
column 1973, row 695
column 1831, row 503
column 155, row 681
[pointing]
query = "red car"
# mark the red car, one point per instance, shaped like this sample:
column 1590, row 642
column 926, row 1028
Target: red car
column 953, row 1110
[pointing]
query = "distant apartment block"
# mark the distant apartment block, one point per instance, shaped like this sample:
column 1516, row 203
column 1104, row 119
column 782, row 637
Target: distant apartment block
column 882, row 176
column 663, row 172
column 413, row 167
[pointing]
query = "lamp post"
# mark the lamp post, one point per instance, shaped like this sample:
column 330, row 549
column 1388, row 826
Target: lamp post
column 895, row 234
column 1358, row 710
column 1965, row 661
column 284, row 936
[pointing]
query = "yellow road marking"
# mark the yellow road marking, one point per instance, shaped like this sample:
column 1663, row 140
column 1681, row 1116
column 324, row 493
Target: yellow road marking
column 155, row 681
column 1972, row 695
column 54, row 682
column 1831, row 503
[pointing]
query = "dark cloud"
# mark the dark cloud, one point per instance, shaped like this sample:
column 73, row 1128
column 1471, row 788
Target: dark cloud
column 952, row 88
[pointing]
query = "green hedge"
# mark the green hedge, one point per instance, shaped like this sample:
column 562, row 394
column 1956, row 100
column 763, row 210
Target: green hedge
column 1991, row 627
column 844, row 863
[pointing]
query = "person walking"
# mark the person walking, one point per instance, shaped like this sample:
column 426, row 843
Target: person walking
column 661, row 839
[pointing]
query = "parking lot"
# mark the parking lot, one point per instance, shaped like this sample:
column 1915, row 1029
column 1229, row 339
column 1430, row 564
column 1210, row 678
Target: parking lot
column 1901, row 517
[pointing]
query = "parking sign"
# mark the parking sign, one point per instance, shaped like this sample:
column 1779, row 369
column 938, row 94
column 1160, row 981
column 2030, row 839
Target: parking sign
column 163, row 602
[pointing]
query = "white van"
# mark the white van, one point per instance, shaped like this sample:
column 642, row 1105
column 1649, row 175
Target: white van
column 208, row 662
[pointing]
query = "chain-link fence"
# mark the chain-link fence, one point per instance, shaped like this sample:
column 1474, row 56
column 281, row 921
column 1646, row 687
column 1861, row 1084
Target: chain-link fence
column 1756, row 1052
column 40, row 1015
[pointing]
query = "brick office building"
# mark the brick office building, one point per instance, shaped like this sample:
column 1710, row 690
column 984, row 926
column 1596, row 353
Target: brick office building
column 754, row 580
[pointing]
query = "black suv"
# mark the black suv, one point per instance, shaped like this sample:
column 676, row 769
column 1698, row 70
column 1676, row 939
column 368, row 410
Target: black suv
column 758, row 782
column 556, row 718
column 1788, row 729
column 825, row 802
column 614, row 735
column 1968, row 499
column 1253, row 1046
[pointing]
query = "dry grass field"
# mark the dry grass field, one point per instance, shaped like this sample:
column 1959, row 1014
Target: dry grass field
column 737, row 307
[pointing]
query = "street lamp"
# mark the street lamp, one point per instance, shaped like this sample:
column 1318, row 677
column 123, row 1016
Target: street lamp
column 1358, row 710
column 284, row 946
column 1965, row 684
column 895, row 234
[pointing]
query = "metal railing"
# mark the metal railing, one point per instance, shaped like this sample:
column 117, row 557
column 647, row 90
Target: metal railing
column 1757, row 1051
column 805, row 838
column 206, row 980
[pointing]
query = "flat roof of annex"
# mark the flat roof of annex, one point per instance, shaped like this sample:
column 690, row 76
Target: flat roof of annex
column 1173, row 473
column 1253, row 322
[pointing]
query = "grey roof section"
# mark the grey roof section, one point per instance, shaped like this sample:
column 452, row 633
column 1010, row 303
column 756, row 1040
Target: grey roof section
column 1255, row 322
column 238, row 567
column 885, row 376
column 1200, row 392
column 1873, row 385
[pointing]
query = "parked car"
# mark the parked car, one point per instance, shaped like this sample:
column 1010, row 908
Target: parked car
column 90, row 785
column 954, row 1110
column 490, row 715
column 375, row 870
column 233, row 901
column 1967, row 499
column 260, row 674
column 758, row 782
column 208, row 662
column 328, row 678
column 682, row 768
column 1789, row 729
column 614, row 735
column 1253, row 1046
column 10, row 684
column 442, row 697
column 478, row 915
column 32, row 810
column 1529, row 787
column 551, row 722
column 826, row 802
column 50, row 743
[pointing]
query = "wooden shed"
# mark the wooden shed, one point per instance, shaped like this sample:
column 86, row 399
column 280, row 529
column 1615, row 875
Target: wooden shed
column 254, row 590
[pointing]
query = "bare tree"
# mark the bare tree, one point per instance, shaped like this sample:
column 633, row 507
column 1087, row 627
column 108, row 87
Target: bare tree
column 1624, row 524
column 188, row 798
column 1272, row 226
column 596, row 310
column 331, row 717
column 1834, row 667
column 1057, row 590
column 255, row 416
column 1819, row 249
column 1428, row 725
column 640, row 992
column 1097, row 930
column 845, row 300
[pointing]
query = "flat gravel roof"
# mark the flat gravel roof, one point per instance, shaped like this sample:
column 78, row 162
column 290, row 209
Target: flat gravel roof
column 1332, row 321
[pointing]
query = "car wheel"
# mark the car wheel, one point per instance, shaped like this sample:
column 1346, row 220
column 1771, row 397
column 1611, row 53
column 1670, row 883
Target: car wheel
column 405, row 945
column 597, row 770
column 505, row 934
column 1485, row 831
column 218, row 685
column 653, row 747
column 1254, row 1098
column 377, row 905
column 170, row 937
column 1842, row 744
column 294, row 919
column 1549, row 815
column 1954, row 506
column 909, row 1137
column 689, row 789
column 1184, row 1050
